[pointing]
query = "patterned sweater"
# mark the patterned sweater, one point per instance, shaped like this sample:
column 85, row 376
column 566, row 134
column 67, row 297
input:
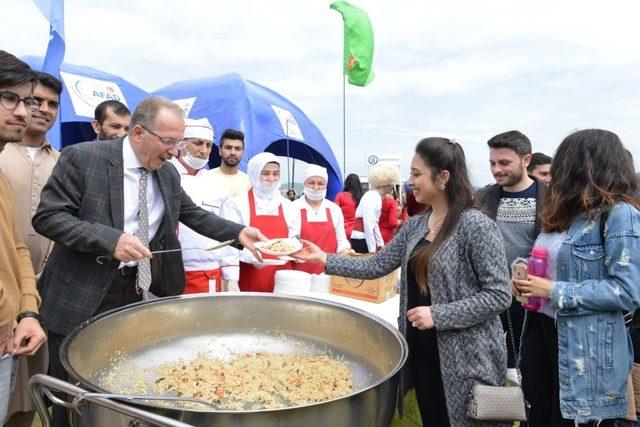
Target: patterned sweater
column 468, row 282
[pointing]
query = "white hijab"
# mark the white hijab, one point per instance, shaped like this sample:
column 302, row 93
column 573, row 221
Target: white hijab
column 266, row 198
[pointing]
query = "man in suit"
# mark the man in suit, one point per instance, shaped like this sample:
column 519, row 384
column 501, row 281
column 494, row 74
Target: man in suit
column 118, row 200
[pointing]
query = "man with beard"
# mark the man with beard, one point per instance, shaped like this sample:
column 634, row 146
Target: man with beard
column 231, row 151
column 515, row 203
column 111, row 120
column 27, row 166
column 20, row 329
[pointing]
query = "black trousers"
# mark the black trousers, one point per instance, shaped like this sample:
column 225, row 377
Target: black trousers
column 360, row 246
column 539, row 366
column 121, row 292
column 424, row 358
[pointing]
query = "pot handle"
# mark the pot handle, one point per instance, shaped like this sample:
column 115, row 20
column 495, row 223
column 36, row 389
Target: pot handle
column 41, row 384
column 135, row 397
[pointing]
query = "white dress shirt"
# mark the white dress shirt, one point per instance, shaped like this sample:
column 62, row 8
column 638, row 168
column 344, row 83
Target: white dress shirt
column 369, row 210
column 155, row 205
column 320, row 216
column 237, row 210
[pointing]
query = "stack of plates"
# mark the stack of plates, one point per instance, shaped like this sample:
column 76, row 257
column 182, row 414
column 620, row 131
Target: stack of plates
column 320, row 282
column 292, row 282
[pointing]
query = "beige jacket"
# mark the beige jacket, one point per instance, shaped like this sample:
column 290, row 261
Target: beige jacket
column 17, row 284
column 27, row 178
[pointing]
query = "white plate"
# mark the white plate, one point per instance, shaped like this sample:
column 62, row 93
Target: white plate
column 295, row 244
column 274, row 261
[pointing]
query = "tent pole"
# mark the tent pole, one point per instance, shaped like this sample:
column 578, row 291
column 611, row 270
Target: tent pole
column 288, row 158
column 293, row 172
column 344, row 128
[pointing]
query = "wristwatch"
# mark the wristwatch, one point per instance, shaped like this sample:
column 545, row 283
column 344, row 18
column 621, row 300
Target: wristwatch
column 30, row 314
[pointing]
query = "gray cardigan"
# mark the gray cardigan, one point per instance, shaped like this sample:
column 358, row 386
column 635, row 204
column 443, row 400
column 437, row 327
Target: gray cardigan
column 468, row 282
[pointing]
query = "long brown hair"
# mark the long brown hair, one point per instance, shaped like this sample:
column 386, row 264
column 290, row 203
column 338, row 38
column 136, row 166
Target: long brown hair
column 440, row 154
column 591, row 171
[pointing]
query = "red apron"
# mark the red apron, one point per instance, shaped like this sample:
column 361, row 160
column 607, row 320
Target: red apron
column 253, row 279
column 359, row 225
column 322, row 234
column 198, row 282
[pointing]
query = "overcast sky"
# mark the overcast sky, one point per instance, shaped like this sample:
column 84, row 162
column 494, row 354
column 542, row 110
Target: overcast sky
column 460, row 69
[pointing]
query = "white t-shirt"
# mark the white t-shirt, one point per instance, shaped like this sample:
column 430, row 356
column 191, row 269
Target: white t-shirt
column 369, row 210
column 33, row 152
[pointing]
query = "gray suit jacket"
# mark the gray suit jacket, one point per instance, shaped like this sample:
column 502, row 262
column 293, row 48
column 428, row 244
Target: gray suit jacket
column 82, row 211
column 468, row 287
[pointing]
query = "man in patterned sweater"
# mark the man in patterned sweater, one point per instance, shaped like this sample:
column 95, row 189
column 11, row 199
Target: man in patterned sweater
column 515, row 203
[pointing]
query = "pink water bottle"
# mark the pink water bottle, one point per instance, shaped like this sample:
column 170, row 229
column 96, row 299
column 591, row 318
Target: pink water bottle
column 537, row 266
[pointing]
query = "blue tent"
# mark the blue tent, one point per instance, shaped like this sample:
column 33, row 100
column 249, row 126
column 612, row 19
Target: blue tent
column 84, row 89
column 269, row 121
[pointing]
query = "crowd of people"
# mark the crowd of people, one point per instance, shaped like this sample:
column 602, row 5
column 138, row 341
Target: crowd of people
column 83, row 223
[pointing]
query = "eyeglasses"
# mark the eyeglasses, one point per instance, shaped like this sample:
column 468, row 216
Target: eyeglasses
column 10, row 101
column 169, row 142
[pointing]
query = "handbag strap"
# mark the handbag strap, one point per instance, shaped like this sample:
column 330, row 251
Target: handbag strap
column 513, row 346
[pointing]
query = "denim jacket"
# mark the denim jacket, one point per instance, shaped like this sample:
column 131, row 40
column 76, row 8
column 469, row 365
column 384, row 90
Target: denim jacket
column 597, row 282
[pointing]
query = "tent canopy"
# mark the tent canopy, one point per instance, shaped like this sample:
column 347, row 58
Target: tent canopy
column 269, row 121
column 84, row 89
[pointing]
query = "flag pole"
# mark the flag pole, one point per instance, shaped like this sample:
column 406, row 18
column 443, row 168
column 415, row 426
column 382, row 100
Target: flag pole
column 344, row 128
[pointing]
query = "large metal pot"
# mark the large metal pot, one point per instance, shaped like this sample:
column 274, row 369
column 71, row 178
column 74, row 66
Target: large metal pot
column 150, row 333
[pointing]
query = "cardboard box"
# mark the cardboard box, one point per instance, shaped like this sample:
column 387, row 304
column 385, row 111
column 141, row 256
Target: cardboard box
column 376, row 290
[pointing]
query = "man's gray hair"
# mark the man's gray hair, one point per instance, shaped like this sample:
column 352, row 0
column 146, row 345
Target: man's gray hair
column 146, row 112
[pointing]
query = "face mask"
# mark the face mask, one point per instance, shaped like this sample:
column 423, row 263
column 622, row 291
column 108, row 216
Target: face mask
column 315, row 195
column 266, row 189
column 194, row 162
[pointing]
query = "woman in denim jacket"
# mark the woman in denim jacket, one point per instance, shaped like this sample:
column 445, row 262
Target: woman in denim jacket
column 593, row 279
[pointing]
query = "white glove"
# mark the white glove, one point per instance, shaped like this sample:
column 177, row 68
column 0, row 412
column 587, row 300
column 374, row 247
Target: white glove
column 232, row 286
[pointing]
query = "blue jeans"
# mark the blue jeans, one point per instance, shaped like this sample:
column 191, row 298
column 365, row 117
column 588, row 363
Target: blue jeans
column 7, row 381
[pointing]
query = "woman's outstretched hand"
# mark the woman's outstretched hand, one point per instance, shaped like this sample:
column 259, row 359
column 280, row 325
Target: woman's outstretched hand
column 310, row 252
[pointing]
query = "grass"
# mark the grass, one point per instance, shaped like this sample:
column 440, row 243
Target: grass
column 411, row 416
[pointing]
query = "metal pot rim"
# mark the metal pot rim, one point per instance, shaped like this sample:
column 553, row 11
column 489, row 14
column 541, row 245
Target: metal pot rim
column 83, row 382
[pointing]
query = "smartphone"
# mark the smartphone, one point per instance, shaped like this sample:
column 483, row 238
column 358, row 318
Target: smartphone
column 520, row 272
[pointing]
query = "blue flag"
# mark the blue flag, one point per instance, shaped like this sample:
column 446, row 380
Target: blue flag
column 53, row 11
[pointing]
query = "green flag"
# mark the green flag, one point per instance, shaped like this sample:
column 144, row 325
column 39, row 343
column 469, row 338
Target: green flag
column 358, row 43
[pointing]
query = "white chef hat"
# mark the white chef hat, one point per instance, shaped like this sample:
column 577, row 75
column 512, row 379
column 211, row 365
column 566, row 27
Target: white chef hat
column 198, row 128
column 315, row 170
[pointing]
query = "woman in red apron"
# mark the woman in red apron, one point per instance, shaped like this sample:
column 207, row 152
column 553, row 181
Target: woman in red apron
column 265, row 208
column 318, row 220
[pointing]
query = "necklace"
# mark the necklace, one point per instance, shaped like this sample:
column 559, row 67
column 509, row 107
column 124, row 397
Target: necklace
column 435, row 225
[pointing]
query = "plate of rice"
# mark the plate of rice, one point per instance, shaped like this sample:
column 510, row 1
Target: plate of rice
column 279, row 247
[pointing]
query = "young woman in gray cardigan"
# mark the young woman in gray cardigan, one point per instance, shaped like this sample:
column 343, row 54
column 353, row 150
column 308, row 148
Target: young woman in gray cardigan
column 454, row 285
